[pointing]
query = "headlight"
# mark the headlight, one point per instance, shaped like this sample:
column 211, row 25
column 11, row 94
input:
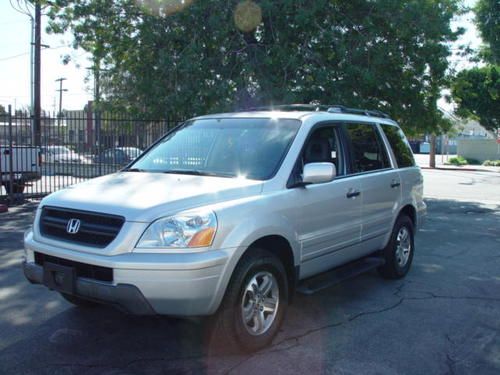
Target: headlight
column 185, row 230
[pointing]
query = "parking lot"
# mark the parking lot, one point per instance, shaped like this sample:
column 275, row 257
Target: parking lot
column 443, row 318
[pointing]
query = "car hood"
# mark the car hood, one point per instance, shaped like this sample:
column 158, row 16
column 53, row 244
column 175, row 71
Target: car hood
column 140, row 196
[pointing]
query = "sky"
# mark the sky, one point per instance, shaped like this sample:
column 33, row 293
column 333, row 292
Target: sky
column 15, row 39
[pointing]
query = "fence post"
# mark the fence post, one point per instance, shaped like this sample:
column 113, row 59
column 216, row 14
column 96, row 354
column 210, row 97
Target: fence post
column 98, row 137
column 11, row 160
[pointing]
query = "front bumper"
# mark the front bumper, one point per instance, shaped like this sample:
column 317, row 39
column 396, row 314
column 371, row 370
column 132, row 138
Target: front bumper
column 159, row 283
column 125, row 297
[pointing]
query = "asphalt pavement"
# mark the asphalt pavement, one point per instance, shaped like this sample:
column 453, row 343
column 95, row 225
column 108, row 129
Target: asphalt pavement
column 443, row 318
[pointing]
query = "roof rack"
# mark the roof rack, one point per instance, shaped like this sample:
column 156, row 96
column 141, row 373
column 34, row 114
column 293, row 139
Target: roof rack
column 335, row 108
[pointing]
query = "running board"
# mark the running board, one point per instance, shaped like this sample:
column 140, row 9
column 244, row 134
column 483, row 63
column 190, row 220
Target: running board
column 337, row 275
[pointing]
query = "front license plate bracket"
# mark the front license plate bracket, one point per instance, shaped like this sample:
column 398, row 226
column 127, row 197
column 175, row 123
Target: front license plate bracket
column 59, row 278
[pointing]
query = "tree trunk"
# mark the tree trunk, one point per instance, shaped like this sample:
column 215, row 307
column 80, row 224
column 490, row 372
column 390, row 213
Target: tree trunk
column 432, row 152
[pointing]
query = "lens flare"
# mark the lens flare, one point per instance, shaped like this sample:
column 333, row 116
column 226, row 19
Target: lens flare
column 163, row 7
column 247, row 16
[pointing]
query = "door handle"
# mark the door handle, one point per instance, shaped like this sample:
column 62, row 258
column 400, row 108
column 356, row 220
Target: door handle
column 395, row 184
column 352, row 193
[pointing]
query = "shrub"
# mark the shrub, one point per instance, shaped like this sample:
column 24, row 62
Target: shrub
column 457, row 161
column 492, row 163
column 473, row 162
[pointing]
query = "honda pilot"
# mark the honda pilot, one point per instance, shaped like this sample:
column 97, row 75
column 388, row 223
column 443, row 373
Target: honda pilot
column 231, row 214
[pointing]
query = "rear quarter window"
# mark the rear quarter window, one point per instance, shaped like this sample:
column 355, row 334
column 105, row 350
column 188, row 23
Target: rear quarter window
column 400, row 146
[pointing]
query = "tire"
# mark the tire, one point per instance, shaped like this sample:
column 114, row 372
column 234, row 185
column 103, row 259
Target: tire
column 398, row 253
column 77, row 301
column 230, row 332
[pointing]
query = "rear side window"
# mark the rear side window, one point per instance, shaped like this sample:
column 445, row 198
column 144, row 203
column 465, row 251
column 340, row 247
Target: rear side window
column 367, row 150
column 399, row 145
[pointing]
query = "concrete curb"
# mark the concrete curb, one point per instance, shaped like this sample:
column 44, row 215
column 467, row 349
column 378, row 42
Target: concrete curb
column 461, row 169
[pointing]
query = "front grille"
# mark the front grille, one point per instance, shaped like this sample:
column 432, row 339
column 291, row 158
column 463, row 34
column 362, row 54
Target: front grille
column 96, row 229
column 82, row 269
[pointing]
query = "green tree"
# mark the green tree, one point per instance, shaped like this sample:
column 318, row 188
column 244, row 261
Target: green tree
column 477, row 94
column 191, row 57
column 488, row 23
column 3, row 111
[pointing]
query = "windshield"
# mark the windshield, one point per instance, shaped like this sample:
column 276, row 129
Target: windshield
column 251, row 148
column 60, row 150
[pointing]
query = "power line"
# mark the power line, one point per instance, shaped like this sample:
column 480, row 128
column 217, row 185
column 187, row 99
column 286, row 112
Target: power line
column 15, row 56
column 26, row 10
column 27, row 53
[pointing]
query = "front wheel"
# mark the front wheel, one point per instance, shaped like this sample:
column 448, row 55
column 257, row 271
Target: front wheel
column 254, row 305
column 398, row 253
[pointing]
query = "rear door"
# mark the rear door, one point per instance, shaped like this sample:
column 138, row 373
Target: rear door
column 380, row 183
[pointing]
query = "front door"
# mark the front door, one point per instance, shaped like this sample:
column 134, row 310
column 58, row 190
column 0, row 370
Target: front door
column 328, row 218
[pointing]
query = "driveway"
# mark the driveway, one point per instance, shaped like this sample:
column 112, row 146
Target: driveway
column 443, row 318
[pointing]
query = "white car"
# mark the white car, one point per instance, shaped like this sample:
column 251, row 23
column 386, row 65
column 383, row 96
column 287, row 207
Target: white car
column 62, row 154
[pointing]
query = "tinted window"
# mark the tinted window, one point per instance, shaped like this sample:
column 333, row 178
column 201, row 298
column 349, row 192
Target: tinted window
column 367, row 150
column 399, row 145
column 233, row 147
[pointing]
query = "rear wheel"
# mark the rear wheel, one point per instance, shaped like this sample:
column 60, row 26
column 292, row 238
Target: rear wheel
column 77, row 301
column 254, row 305
column 398, row 253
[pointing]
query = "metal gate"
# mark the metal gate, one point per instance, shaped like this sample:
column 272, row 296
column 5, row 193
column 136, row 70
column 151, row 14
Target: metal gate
column 74, row 146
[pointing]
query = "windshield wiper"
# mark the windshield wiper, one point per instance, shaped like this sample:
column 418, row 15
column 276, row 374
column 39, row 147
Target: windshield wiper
column 133, row 170
column 196, row 172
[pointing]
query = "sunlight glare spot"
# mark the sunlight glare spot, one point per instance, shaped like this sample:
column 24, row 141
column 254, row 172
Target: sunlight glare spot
column 6, row 292
column 247, row 16
column 431, row 268
column 163, row 7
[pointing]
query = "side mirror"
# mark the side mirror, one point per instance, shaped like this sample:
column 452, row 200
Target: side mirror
column 318, row 173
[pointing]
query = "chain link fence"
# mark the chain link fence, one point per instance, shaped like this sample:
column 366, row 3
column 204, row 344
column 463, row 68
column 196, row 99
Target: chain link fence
column 74, row 146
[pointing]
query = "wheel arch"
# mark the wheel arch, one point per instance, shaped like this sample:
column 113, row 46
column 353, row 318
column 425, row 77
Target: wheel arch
column 276, row 243
column 410, row 211
column 407, row 209
column 282, row 249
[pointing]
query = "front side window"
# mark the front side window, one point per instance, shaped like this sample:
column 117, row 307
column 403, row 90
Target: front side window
column 400, row 146
column 367, row 150
column 229, row 147
column 323, row 146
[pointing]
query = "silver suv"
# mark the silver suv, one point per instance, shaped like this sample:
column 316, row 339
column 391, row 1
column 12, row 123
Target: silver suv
column 230, row 214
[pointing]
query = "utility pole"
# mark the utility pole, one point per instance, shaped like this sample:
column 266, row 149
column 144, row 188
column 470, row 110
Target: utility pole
column 96, row 71
column 59, row 116
column 32, row 65
column 37, row 125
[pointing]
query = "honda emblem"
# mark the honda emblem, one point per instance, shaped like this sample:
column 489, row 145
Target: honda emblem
column 73, row 226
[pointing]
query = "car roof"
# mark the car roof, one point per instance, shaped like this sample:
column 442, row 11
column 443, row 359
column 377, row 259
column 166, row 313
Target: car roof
column 298, row 115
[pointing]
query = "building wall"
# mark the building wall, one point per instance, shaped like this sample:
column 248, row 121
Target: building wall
column 479, row 149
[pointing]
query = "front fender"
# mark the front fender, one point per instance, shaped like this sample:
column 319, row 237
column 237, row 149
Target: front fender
column 240, row 238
